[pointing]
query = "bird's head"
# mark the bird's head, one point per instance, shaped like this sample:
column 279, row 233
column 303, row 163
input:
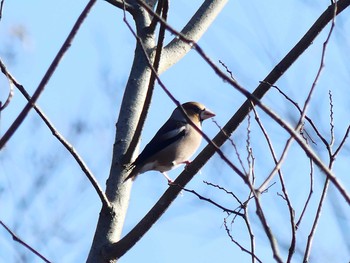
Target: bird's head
column 195, row 111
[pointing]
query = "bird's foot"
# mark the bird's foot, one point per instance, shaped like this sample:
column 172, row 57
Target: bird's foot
column 170, row 181
column 186, row 162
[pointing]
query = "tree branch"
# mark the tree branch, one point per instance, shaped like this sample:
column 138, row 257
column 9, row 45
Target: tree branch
column 17, row 239
column 67, row 43
column 122, row 4
column 194, row 29
column 163, row 6
column 60, row 138
column 1, row 8
column 201, row 197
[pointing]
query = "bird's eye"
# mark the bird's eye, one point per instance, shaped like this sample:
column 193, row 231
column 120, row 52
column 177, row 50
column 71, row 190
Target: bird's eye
column 198, row 110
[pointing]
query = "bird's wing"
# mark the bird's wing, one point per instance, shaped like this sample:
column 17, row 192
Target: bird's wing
column 169, row 133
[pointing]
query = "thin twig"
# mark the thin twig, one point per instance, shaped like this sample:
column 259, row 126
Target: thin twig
column 10, row 95
column 331, row 115
column 67, row 43
column 342, row 142
column 19, row 240
column 233, row 144
column 329, row 148
column 315, row 223
column 250, row 158
column 201, row 197
column 266, row 227
column 238, row 244
column 277, row 165
column 60, row 138
column 225, row 190
column 251, row 235
column 284, row 189
column 311, row 190
column 227, row 70
column 306, row 117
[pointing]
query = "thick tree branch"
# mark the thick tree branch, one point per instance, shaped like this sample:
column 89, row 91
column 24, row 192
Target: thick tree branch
column 122, row 4
column 111, row 221
column 194, row 29
column 163, row 6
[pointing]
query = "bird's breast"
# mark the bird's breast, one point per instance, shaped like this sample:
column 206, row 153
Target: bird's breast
column 178, row 152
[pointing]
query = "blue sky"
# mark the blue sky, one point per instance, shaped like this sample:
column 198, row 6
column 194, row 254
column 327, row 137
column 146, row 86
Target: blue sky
column 47, row 200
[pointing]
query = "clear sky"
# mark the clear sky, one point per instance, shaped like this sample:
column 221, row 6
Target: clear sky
column 47, row 200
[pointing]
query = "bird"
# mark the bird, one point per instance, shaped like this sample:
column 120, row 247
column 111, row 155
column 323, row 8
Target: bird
column 174, row 143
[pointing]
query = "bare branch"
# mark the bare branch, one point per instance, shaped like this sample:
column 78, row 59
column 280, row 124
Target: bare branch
column 9, row 97
column 17, row 239
column 267, row 229
column 284, row 189
column 251, row 235
column 122, row 5
column 163, row 8
column 1, row 8
column 60, row 138
column 331, row 115
column 309, row 195
column 225, row 190
column 239, row 245
column 233, row 144
column 342, row 142
column 201, row 197
column 316, row 220
column 306, row 117
column 67, row 43
column 193, row 30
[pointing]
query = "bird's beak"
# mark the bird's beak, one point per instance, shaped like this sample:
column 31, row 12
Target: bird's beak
column 205, row 114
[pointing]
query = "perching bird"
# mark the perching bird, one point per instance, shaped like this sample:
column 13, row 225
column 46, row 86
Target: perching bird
column 174, row 143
